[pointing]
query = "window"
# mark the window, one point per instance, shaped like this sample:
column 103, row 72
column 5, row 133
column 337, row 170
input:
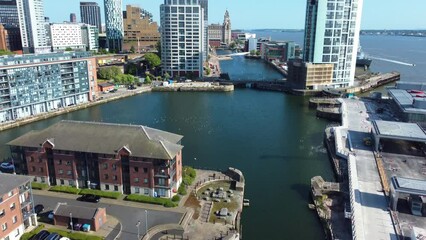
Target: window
column 4, row 226
column 137, row 190
column 106, row 186
column 12, row 206
column 146, row 191
column 17, row 233
column 33, row 169
column 114, row 166
column 69, row 172
column 68, row 163
column 59, row 162
column 43, row 179
column 145, row 170
column 40, row 159
column 136, row 169
column 115, row 177
column 14, row 219
column 145, row 180
column 136, row 180
column 61, row 171
column 32, row 159
column 105, row 176
column 2, row 213
column 71, row 182
column 105, row 166
column 116, row 188
column 10, row 194
column 41, row 169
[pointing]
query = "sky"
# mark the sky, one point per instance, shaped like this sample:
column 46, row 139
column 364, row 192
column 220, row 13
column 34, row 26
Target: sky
column 274, row 14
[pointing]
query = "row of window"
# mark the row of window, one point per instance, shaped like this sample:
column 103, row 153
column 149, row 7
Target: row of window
column 14, row 220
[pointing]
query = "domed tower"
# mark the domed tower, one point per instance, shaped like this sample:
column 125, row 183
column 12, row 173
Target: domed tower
column 226, row 38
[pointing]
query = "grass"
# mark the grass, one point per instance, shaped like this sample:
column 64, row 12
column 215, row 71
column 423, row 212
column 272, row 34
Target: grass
column 39, row 186
column 231, row 206
column 29, row 235
column 65, row 189
column 75, row 235
column 105, row 194
column 152, row 200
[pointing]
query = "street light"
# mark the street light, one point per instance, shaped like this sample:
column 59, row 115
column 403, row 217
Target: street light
column 137, row 225
column 146, row 224
column 72, row 228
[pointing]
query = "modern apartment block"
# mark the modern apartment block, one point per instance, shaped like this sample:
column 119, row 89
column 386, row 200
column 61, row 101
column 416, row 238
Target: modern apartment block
column 90, row 13
column 205, row 6
column 280, row 51
column 111, row 157
column 9, row 13
column 33, row 26
column 139, row 29
column 182, row 40
column 114, row 24
column 16, row 206
column 34, row 84
column 80, row 37
column 332, row 36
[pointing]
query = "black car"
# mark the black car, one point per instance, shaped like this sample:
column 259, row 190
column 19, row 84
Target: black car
column 89, row 198
column 53, row 236
column 41, row 235
column 38, row 208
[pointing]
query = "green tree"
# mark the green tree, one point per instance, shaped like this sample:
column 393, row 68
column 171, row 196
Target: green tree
column 5, row 52
column 208, row 71
column 105, row 73
column 153, row 60
column 115, row 70
column 68, row 49
column 158, row 47
column 166, row 76
column 233, row 45
column 147, row 79
column 132, row 49
column 257, row 53
column 253, row 52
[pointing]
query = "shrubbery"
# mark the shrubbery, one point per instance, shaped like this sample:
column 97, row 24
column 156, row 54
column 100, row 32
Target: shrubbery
column 33, row 232
column 65, row 189
column 176, row 198
column 105, row 194
column 152, row 200
column 39, row 186
column 182, row 189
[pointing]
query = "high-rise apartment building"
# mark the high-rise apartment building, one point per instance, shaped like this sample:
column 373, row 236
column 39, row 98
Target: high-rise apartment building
column 32, row 25
column 182, row 37
column 139, row 29
column 90, row 35
column 332, row 36
column 9, row 13
column 90, row 13
column 114, row 24
column 45, row 83
column 73, row 18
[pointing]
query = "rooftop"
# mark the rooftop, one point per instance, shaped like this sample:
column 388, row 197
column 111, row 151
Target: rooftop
column 406, row 131
column 8, row 182
column 104, row 138
column 408, row 185
column 411, row 97
column 63, row 209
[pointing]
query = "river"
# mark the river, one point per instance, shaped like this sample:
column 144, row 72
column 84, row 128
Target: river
column 274, row 138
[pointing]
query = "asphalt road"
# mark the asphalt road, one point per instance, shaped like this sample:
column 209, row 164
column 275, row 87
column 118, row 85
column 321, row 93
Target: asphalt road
column 128, row 216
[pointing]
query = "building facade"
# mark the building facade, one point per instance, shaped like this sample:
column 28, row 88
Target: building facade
column 90, row 13
column 90, row 35
column 205, row 6
column 332, row 36
column 66, row 35
column 277, row 51
column 9, row 13
column 215, row 35
column 182, row 40
column 139, row 28
column 114, row 24
column 73, row 18
column 303, row 75
column 16, row 206
column 34, row 84
column 32, row 25
column 130, row 159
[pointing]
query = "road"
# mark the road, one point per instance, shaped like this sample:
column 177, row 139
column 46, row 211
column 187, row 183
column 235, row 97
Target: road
column 128, row 216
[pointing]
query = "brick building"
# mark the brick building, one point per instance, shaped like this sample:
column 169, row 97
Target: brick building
column 63, row 213
column 16, row 206
column 110, row 157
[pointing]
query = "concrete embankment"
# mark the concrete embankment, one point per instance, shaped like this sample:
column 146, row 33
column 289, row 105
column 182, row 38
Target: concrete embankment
column 104, row 99
column 194, row 87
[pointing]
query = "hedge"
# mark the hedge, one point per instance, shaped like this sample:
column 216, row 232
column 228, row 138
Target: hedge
column 182, row 189
column 39, row 186
column 176, row 198
column 152, row 200
column 75, row 235
column 65, row 189
column 105, row 194
column 29, row 235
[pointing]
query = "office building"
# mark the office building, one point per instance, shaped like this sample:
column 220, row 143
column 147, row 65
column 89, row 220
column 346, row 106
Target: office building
column 215, row 35
column 35, row 84
column 332, row 36
column 32, row 25
column 66, row 35
column 73, row 18
column 16, row 206
column 90, row 13
column 139, row 28
column 309, row 76
column 132, row 159
column 227, row 30
column 90, row 35
column 182, row 40
column 114, row 24
column 9, row 13
column 277, row 51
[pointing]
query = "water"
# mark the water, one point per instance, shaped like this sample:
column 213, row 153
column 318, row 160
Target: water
column 272, row 137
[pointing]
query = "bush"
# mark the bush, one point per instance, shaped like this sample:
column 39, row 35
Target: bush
column 33, row 232
column 39, row 186
column 152, row 200
column 105, row 194
column 75, row 235
column 182, row 189
column 189, row 171
column 65, row 189
column 176, row 198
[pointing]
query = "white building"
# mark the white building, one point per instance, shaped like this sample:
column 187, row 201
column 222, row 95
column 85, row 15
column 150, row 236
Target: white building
column 245, row 36
column 332, row 36
column 90, row 35
column 252, row 44
column 77, row 36
column 32, row 26
column 182, row 37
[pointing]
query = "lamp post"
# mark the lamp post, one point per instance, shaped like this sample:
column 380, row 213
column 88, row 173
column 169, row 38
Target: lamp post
column 146, row 224
column 72, row 228
column 137, row 225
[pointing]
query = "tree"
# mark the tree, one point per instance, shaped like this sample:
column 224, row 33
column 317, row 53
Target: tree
column 153, row 60
column 253, row 52
column 148, row 79
column 257, row 53
column 233, row 45
column 68, row 49
column 5, row 52
column 158, row 47
column 132, row 49
column 166, row 76
column 208, row 71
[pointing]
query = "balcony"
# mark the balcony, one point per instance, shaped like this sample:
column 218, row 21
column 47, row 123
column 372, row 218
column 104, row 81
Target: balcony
column 23, row 189
column 26, row 214
column 26, row 203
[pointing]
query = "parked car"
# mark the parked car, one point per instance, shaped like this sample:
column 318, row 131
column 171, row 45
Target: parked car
column 41, row 235
column 50, row 215
column 53, row 236
column 7, row 165
column 38, row 208
column 89, row 198
column 113, row 90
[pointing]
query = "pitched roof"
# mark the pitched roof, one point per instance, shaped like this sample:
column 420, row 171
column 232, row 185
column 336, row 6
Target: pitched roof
column 104, row 138
column 8, row 182
column 63, row 209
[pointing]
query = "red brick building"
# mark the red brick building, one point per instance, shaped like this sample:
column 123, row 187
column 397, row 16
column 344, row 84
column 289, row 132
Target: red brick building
column 105, row 87
column 16, row 206
column 64, row 214
column 111, row 157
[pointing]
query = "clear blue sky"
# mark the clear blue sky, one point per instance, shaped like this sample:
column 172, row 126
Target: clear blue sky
column 283, row 14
